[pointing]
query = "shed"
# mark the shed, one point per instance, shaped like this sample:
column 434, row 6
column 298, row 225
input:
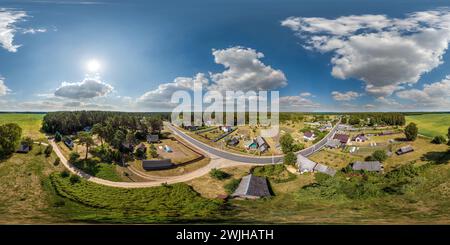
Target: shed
column 152, row 138
column 371, row 166
column 68, row 142
column 404, row 150
column 304, row 164
column 334, row 143
column 157, row 164
column 252, row 187
column 23, row 148
column 233, row 142
column 324, row 169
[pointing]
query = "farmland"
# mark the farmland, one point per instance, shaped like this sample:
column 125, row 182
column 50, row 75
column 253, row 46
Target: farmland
column 431, row 124
column 30, row 123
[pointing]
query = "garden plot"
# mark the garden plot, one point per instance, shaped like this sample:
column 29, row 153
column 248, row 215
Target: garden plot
column 179, row 152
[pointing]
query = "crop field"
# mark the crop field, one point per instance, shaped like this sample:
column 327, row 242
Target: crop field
column 431, row 124
column 30, row 123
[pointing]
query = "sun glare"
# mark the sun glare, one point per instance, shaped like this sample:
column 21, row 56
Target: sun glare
column 93, row 66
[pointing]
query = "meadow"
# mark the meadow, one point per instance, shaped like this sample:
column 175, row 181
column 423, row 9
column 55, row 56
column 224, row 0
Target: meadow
column 431, row 125
column 30, row 123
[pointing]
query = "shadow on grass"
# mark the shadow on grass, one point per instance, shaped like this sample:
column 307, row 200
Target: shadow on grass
column 89, row 166
column 437, row 157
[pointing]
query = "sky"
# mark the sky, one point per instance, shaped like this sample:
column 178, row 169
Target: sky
column 321, row 55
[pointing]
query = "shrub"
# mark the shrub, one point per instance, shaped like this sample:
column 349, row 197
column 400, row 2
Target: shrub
column 218, row 174
column 57, row 161
column 379, row 155
column 232, row 185
column 73, row 157
column 65, row 174
column 74, row 179
column 58, row 137
column 48, row 150
column 439, row 140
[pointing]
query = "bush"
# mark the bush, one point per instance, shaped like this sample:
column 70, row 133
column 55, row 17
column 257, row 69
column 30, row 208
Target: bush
column 218, row 174
column 48, row 150
column 379, row 155
column 73, row 157
column 57, row 161
column 65, row 174
column 274, row 172
column 74, row 179
column 232, row 185
column 439, row 140
column 290, row 158
column 58, row 137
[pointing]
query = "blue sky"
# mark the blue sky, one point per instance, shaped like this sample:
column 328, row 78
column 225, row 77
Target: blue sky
column 320, row 55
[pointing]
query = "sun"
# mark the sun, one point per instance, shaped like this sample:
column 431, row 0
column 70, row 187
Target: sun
column 93, row 66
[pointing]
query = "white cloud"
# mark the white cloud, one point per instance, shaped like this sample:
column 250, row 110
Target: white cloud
column 383, row 52
column 160, row 97
column 347, row 96
column 3, row 88
column 7, row 28
column 432, row 95
column 87, row 89
column 34, row 30
column 245, row 71
column 297, row 102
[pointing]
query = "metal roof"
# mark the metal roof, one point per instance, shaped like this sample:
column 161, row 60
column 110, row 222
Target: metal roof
column 367, row 166
column 252, row 186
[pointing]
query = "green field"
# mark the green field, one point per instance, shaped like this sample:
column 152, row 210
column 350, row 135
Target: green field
column 431, row 124
column 30, row 123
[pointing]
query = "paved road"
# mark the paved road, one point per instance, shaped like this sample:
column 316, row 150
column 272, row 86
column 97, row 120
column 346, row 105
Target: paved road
column 249, row 159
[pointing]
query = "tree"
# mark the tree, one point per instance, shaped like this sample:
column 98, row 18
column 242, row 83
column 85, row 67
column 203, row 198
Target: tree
column 153, row 151
column 411, row 131
column 439, row 140
column 290, row 158
column 286, row 142
column 448, row 135
column 58, row 136
column 99, row 130
column 9, row 138
column 48, row 150
column 379, row 155
column 73, row 157
column 85, row 138
column 218, row 174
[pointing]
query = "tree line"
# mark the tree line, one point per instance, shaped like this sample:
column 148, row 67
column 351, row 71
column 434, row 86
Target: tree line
column 376, row 118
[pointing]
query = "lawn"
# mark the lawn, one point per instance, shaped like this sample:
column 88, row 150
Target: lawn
column 431, row 124
column 89, row 202
column 30, row 123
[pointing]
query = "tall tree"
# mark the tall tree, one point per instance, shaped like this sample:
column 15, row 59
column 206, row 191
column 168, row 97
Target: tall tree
column 9, row 138
column 85, row 138
column 99, row 130
column 286, row 142
column 411, row 131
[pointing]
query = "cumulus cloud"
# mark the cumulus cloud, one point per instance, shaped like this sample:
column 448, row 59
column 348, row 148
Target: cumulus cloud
column 297, row 102
column 160, row 97
column 87, row 89
column 432, row 95
column 8, row 19
column 3, row 88
column 383, row 52
column 347, row 96
column 245, row 71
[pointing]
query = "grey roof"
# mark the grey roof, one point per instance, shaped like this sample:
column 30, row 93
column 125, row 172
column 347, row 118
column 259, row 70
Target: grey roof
column 23, row 148
column 333, row 143
column 367, row 166
column 157, row 164
column 152, row 138
column 325, row 169
column 263, row 148
column 252, row 186
column 308, row 134
column 260, row 141
column 304, row 164
column 406, row 149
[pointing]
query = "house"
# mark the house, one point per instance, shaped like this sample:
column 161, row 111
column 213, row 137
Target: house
column 326, row 127
column 157, row 164
column 226, row 129
column 360, row 138
column 68, row 142
column 333, row 143
column 252, row 187
column 23, row 148
column 262, row 144
column 233, row 142
column 343, row 138
column 371, row 166
column 153, row 138
column 309, row 136
column 404, row 150
column 305, row 165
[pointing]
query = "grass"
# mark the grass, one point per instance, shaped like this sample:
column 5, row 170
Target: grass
column 276, row 173
column 30, row 123
column 334, row 158
column 178, row 170
column 90, row 202
column 431, row 124
column 106, row 171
